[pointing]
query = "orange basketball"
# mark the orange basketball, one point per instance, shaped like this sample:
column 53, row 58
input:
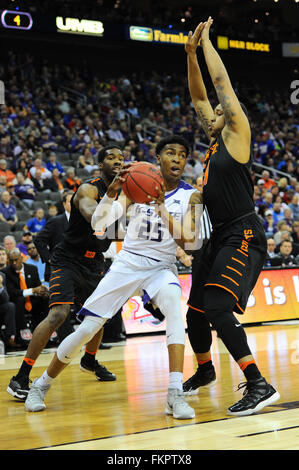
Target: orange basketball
column 141, row 181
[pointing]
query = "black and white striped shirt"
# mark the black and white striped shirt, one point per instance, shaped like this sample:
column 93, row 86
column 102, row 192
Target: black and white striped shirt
column 206, row 226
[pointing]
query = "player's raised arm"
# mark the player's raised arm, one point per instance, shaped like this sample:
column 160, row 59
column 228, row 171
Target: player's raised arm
column 195, row 81
column 236, row 123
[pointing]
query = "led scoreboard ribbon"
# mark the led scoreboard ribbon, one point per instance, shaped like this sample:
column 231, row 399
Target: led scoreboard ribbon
column 16, row 19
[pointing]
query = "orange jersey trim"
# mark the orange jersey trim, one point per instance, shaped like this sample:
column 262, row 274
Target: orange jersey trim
column 222, row 287
column 235, row 259
column 233, row 269
column 227, row 277
column 198, row 309
column 242, row 252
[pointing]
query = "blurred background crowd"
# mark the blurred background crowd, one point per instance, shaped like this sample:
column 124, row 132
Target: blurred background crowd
column 57, row 117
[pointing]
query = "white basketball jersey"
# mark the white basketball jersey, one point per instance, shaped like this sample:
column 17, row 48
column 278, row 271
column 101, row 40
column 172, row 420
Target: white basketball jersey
column 146, row 233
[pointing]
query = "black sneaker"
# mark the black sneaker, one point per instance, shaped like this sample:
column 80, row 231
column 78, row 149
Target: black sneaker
column 257, row 394
column 100, row 371
column 19, row 387
column 202, row 378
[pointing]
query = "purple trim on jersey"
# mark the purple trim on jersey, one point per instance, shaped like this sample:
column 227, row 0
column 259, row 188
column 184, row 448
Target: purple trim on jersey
column 175, row 284
column 145, row 298
column 143, row 256
column 84, row 313
column 182, row 185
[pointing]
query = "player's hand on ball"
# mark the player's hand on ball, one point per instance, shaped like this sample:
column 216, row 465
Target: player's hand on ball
column 160, row 199
column 118, row 180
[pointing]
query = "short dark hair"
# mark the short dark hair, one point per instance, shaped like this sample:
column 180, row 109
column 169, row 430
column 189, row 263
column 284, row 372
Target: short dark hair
column 172, row 139
column 102, row 152
column 65, row 194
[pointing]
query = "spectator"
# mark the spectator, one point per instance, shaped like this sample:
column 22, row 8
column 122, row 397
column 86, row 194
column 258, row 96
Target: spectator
column 2, row 184
column 278, row 214
column 86, row 161
column 24, row 191
column 270, row 251
column 9, row 243
column 26, row 240
column 282, row 230
column 284, row 258
column 3, row 257
column 39, row 166
column 7, row 317
column 52, row 212
column 268, row 182
column 268, row 223
column 9, row 175
column 8, row 212
column 72, row 182
column 288, row 217
column 47, row 142
column 27, row 293
column 295, row 232
column 53, row 163
column 294, row 206
column 36, row 223
column 114, row 134
column 36, row 261
column 44, row 185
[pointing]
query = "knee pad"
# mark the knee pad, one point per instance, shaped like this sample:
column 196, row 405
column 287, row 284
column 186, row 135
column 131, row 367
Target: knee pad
column 169, row 302
column 73, row 343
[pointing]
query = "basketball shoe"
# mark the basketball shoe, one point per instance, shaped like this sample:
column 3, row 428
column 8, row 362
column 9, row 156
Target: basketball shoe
column 176, row 405
column 18, row 387
column 204, row 376
column 100, row 371
column 257, row 394
column 35, row 398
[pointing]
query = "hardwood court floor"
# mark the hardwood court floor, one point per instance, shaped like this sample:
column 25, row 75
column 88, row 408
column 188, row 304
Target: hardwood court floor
column 84, row 414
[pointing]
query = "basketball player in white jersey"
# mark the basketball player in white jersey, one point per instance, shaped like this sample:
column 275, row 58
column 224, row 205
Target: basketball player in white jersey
column 144, row 266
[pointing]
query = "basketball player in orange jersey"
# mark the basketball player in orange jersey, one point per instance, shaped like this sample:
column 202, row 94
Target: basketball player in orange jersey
column 145, row 266
column 77, row 265
column 232, row 260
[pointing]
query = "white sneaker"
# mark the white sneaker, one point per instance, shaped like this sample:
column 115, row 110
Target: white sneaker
column 176, row 405
column 35, row 397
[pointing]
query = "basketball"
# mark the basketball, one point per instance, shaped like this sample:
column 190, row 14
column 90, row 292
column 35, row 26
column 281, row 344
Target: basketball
column 141, row 181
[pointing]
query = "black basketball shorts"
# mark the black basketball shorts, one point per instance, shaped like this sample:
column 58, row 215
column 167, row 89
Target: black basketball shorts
column 73, row 281
column 232, row 260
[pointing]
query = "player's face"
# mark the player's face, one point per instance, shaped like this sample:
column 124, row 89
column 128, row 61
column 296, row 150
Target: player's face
column 172, row 161
column 112, row 162
column 218, row 122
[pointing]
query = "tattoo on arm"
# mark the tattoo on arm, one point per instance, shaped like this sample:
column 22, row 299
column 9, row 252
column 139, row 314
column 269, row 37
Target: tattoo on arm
column 226, row 104
column 204, row 120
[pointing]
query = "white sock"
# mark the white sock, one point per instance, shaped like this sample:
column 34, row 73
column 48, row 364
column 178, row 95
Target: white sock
column 176, row 380
column 44, row 380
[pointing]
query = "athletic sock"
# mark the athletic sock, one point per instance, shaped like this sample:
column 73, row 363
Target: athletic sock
column 250, row 370
column 176, row 380
column 203, row 365
column 26, row 367
column 89, row 356
column 44, row 380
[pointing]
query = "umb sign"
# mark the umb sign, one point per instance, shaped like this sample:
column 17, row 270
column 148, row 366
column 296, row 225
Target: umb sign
column 76, row 26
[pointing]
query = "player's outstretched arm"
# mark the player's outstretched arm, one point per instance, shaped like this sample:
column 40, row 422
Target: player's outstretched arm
column 109, row 210
column 236, row 123
column 195, row 81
